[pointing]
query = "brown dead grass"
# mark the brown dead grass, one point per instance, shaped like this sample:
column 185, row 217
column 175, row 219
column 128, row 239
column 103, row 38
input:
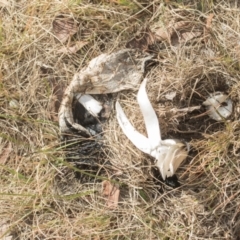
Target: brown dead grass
column 41, row 197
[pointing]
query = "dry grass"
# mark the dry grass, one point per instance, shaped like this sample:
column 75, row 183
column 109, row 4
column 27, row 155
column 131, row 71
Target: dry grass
column 41, row 194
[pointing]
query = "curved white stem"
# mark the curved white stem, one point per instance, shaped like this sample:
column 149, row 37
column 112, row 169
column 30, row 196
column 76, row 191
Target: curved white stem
column 169, row 153
column 150, row 117
column 140, row 141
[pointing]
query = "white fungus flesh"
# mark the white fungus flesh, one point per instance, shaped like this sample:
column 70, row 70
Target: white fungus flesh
column 219, row 106
column 90, row 104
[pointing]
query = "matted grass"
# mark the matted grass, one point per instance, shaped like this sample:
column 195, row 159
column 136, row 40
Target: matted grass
column 41, row 194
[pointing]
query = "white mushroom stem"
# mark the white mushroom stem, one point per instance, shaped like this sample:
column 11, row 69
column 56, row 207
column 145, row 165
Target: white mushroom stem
column 90, row 104
column 169, row 153
column 150, row 117
column 140, row 141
